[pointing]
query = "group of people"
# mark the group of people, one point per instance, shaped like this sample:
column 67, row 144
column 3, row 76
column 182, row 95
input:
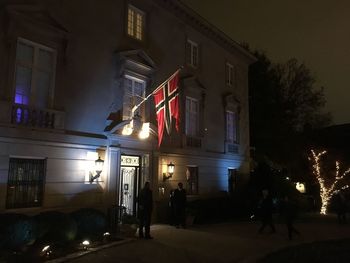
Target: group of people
column 178, row 202
column 287, row 210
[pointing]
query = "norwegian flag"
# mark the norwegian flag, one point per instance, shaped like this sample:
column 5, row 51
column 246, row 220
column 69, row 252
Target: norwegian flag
column 167, row 105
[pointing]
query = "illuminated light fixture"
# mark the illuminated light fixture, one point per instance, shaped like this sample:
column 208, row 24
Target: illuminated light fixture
column 300, row 187
column 85, row 244
column 107, row 234
column 127, row 129
column 136, row 126
column 170, row 172
column 46, row 251
column 144, row 133
column 98, row 169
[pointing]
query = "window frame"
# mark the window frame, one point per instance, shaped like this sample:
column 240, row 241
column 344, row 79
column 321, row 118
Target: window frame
column 34, row 72
column 192, row 180
column 234, row 127
column 134, row 26
column 144, row 86
column 190, row 56
column 230, row 74
column 188, row 121
column 12, row 184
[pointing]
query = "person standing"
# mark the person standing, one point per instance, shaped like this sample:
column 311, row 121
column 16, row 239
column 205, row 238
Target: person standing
column 180, row 201
column 266, row 208
column 289, row 211
column 145, row 205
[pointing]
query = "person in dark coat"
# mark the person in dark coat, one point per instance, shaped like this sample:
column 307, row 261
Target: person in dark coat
column 145, row 205
column 180, row 201
column 289, row 212
column 265, row 210
column 171, row 208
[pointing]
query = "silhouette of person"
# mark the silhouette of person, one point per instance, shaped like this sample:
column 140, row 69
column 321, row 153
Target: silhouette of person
column 340, row 206
column 266, row 208
column 171, row 208
column 145, row 205
column 180, row 200
column 289, row 211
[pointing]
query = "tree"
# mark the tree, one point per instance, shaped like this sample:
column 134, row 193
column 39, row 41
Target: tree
column 284, row 103
column 328, row 186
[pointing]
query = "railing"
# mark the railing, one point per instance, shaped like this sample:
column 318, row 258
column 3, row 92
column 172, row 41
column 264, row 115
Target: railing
column 231, row 147
column 24, row 115
column 193, row 142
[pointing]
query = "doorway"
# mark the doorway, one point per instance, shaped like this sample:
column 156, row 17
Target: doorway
column 129, row 183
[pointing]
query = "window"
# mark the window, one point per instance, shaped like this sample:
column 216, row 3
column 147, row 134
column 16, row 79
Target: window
column 231, row 127
column 136, row 21
column 192, row 53
column 25, row 183
column 134, row 93
column 192, row 180
column 35, row 73
column 230, row 74
column 191, row 117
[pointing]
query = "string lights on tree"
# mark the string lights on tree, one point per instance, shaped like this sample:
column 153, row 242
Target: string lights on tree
column 326, row 190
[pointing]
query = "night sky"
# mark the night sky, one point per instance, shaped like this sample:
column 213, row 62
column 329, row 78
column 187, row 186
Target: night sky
column 315, row 32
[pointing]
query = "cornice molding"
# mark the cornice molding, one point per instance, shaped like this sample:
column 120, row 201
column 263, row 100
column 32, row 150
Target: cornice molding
column 189, row 16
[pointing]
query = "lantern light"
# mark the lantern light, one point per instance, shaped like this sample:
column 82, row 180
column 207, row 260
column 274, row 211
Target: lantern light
column 170, row 172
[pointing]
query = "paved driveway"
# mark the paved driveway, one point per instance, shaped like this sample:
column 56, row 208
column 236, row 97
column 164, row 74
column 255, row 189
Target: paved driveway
column 229, row 242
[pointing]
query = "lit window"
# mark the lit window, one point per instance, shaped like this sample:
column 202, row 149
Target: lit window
column 192, row 53
column 231, row 127
column 35, row 72
column 191, row 117
column 230, row 74
column 136, row 21
column 25, row 183
column 134, row 93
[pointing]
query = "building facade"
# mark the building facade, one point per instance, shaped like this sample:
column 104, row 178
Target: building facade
column 71, row 74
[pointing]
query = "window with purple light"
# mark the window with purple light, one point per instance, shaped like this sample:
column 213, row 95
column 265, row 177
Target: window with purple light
column 35, row 68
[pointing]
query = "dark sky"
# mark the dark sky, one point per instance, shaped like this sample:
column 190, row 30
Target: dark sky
column 316, row 32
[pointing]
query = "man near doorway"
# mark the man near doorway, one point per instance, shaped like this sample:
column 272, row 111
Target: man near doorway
column 145, row 205
column 180, row 206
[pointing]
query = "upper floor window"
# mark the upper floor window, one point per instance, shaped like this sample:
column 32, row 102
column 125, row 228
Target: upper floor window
column 230, row 74
column 134, row 93
column 25, row 183
column 35, row 74
column 231, row 127
column 136, row 23
column 192, row 117
column 192, row 53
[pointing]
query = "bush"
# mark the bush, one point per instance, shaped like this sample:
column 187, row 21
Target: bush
column 55, row 227
column 91, row 223
column 16, row 231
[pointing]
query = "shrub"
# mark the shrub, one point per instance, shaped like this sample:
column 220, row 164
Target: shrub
column 55, row 226
column 16, row 231
column 91, row 223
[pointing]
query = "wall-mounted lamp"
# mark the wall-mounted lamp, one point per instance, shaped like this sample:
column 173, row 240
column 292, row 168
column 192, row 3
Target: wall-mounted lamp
column 98, row 169
column 170, row 172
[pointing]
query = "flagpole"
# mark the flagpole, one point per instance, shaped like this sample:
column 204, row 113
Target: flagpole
column 149, row 95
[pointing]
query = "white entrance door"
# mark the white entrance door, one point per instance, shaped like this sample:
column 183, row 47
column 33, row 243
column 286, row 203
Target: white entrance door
column 129, row 183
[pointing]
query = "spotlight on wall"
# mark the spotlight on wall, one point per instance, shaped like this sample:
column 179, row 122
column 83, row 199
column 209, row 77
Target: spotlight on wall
column 170, row 172
column 98, row 169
